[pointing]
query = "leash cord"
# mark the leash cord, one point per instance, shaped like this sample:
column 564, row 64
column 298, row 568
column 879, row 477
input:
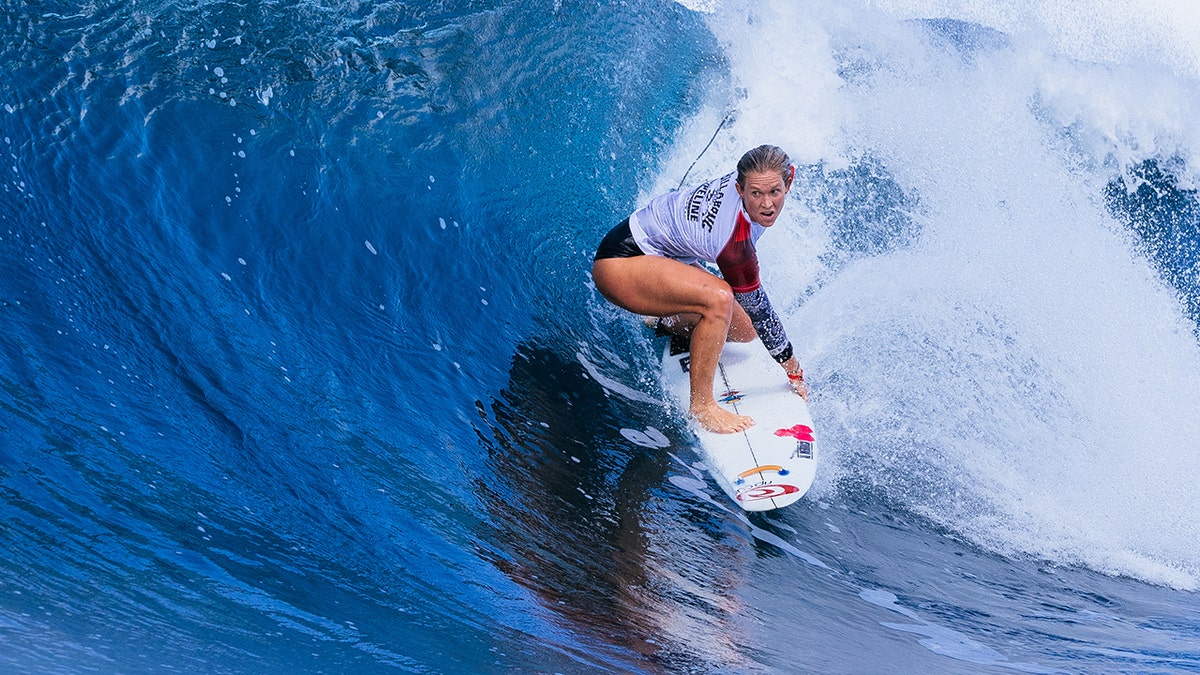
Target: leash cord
column 725, row 121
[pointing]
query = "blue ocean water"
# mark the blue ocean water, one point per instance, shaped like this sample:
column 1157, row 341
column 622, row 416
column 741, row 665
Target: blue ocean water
column 303, row 371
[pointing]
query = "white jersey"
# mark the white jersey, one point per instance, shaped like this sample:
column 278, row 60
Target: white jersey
column 694, row 224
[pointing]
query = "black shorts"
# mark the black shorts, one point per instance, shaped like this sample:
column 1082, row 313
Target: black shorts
column 618, row 243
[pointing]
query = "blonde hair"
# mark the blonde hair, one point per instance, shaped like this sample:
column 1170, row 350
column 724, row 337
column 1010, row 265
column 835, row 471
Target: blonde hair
column 764, row 159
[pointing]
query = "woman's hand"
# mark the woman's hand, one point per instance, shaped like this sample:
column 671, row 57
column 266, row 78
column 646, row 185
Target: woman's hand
column 795, row 376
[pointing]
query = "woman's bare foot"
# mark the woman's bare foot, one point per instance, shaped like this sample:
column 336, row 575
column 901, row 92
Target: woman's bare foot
column 716, row 419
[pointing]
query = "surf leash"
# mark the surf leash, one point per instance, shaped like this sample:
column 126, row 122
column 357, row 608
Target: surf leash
column 724, row 122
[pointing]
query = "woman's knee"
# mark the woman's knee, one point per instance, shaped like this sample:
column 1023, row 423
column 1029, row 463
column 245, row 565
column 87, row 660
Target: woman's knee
column 719, row 302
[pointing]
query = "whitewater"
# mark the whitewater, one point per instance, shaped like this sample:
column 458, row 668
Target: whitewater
column 303, row 369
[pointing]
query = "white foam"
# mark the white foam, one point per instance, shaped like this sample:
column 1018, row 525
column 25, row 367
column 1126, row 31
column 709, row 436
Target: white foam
column 1109, row 31
column 1021, row 375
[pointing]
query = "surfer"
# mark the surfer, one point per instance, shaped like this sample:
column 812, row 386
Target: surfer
column 649, row 264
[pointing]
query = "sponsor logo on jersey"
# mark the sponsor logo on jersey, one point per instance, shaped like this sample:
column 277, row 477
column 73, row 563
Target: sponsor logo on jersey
column 704, row 203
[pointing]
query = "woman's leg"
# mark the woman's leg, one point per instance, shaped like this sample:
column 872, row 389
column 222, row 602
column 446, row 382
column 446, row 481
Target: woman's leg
column 660, row 286
column 740, row 327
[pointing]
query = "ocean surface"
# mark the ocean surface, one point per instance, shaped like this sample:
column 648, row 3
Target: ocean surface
column 302, row 369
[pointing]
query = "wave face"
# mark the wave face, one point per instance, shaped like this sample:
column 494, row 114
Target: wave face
column 303, row 369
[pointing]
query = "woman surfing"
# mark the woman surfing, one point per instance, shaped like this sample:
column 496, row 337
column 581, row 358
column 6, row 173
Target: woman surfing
column 648, row 264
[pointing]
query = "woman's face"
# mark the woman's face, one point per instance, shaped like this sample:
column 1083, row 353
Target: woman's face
column 762, row 195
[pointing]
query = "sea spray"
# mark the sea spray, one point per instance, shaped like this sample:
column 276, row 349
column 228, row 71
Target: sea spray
column 1004, row 361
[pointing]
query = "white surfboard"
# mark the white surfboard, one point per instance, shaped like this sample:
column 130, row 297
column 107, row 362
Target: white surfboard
column 771, row 464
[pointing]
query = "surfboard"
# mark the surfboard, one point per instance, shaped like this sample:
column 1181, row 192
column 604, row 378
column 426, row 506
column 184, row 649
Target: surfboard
column 771, row 464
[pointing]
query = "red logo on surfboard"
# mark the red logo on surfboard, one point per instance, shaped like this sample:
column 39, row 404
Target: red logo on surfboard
column 768, row 491
column 800, row 432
